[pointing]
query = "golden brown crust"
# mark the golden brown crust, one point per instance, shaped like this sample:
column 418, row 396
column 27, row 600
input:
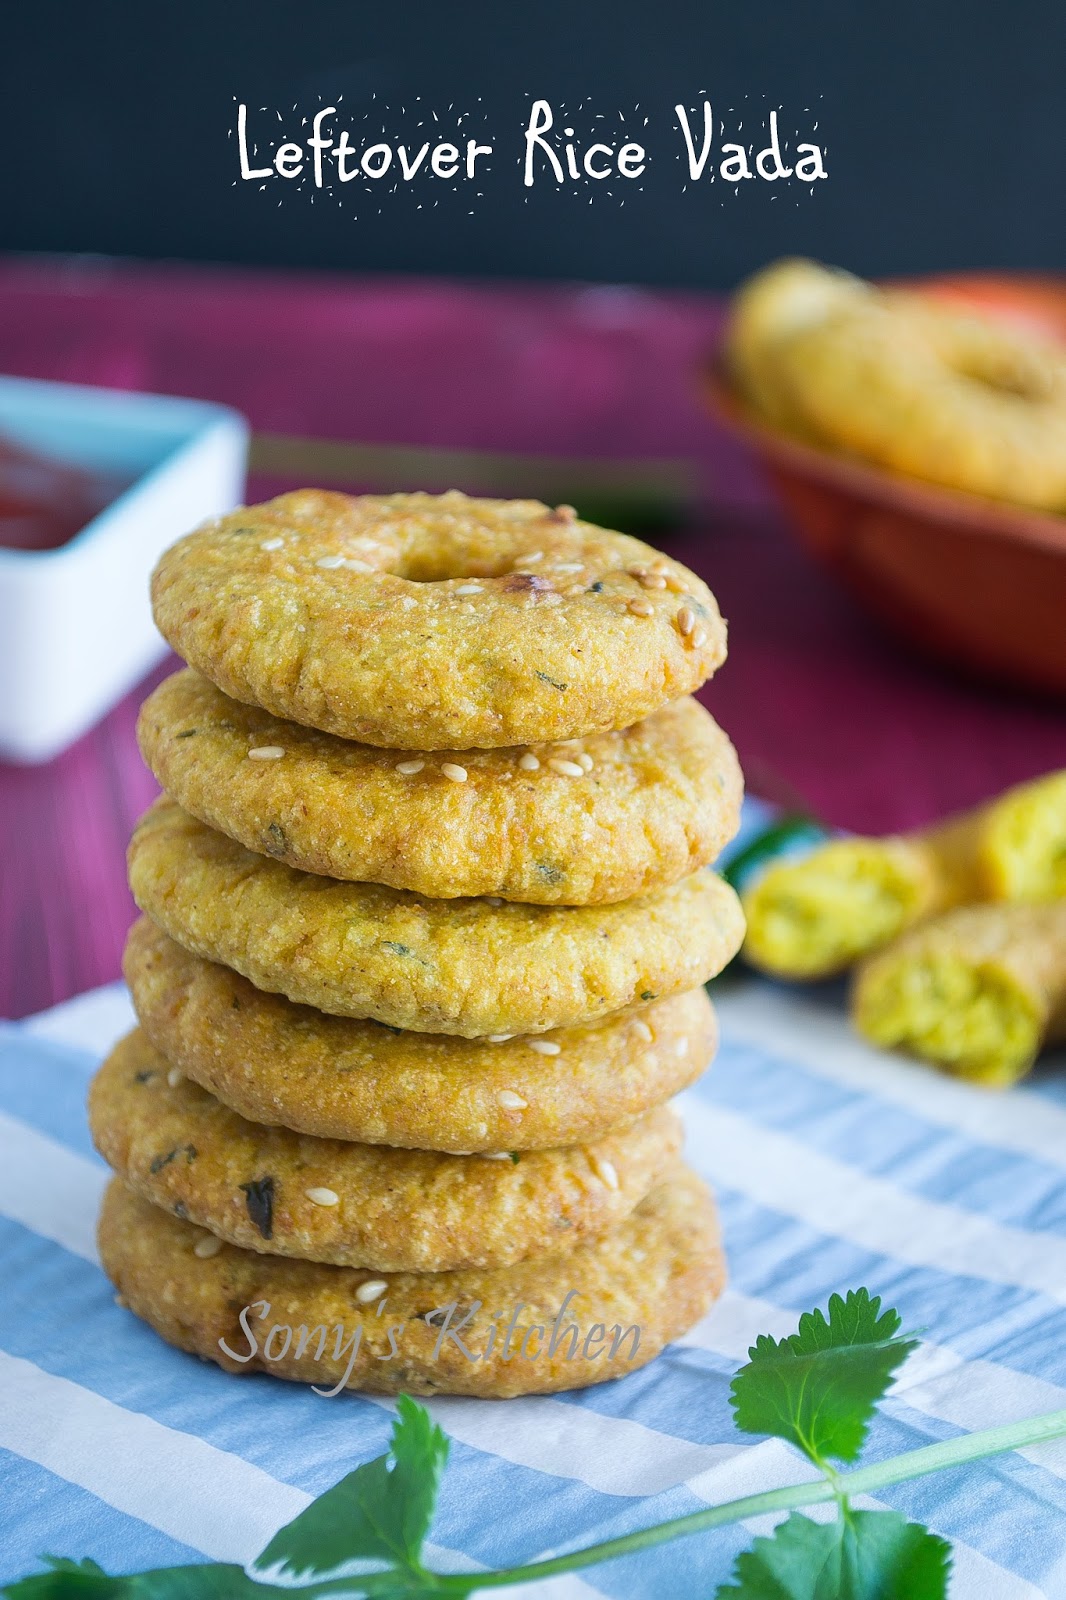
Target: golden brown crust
column 658, row 1272
column 454, row 624
column 458, row 966
column 283, row 1064
column 359, row 1205
column 657, row 801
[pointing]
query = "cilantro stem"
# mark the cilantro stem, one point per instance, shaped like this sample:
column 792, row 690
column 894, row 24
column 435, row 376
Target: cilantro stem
column 897, row 1469
column 956, row 1452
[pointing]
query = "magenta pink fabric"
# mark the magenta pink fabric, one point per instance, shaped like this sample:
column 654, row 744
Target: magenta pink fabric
column 824, row 708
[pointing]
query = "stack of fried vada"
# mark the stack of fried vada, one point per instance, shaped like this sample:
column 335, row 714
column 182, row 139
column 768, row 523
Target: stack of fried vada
column 427, row 921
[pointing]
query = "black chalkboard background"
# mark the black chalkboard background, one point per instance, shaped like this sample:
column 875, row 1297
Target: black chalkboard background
column 944, row 127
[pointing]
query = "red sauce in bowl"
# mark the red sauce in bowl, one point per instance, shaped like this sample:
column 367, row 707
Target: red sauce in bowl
column 45, row 502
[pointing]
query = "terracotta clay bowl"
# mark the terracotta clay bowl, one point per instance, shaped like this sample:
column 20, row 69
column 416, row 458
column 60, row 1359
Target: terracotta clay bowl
column 977, row 582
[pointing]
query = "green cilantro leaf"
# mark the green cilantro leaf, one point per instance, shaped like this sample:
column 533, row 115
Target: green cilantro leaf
column 381, row 1512
column 818, row 1387
column 363, row 1539
column 867, row 1555
column 71, row 1580
column 84, row 1580
column 63, row 1564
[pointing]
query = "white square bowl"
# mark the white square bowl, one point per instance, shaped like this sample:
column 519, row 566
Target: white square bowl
column 76, row 626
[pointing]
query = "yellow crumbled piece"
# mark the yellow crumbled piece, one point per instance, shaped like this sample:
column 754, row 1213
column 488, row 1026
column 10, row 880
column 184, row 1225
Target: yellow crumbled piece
column 816, row 916
column 813, row 917
column 1024, row 843
column 976, row 991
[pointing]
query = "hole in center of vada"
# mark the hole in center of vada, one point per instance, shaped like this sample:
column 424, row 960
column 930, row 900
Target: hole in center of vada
column 472, row 565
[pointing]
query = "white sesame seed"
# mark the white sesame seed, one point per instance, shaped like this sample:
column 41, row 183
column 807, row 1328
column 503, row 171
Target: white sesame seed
column 121, row 1301
column 355, row 565
column 175, row 1076
column 272, row 544
column 697, row 638
column 323, row 1197
column 585, row 761
column 652, row 580
column 565, row 744
column 456, row 774
column 566, row 769
column 642, row 1031
column 470, row 588
column 498, row 1038
column 409, row 768
column 330, row 562
column 605, row 1171
column 675, row 584
column 493, row 900
column 637, row 572
column 566, row 513
column 206, row 1247
column 681, row 1048
column 544, row 1047
column 569, row 566
column 686, row 619
column 372, row 1290
column 266, row 752
column 534, row 555
column 496, row 1155
column 641, row 608
column 511, row 1101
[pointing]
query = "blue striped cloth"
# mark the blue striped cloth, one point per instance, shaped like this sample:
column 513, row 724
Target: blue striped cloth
column 834, row 1166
